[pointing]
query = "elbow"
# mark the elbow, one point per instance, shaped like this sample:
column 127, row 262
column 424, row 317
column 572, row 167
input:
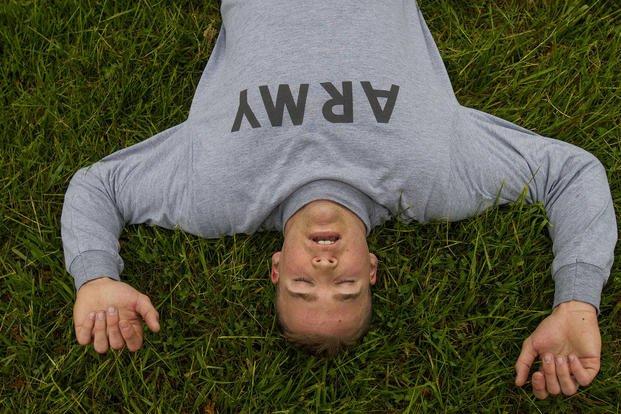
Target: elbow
column 583, row 165
column 88, row 180
column 590, row 161
column 79, row 178
column 87, row 190
column 75, row 184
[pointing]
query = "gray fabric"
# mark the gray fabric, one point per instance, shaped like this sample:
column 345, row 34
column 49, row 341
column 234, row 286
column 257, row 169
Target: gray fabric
column 347, row 101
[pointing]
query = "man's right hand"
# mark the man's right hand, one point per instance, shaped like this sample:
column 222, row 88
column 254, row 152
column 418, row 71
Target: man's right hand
column 109, row 313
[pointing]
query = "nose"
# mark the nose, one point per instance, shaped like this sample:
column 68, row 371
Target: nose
column 325, row 262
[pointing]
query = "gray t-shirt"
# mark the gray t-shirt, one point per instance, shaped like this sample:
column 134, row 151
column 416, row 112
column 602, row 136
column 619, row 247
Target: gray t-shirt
column 347, row 101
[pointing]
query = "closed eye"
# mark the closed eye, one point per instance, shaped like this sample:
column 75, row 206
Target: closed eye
column 341, row 282
column 303, row 280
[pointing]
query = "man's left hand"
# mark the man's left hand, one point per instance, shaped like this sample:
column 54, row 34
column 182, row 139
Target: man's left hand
column 569, row 344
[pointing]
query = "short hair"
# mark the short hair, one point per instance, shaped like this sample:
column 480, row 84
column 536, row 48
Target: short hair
column 322, row 344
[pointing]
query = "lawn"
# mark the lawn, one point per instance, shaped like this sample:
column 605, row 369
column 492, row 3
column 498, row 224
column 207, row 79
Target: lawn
column 454, row 301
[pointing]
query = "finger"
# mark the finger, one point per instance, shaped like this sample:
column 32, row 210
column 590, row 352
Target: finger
column 146, row 309
column 539, row 385
column 101, row 338
column 569, row 386
column 132, row 334
column 112, row 325
column 549, row 372
column 524, row 362
column 84, row 331
column 583, row 376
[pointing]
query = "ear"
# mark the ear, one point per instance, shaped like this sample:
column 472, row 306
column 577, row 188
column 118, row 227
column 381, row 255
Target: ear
column 373, row 268
column 275, row 263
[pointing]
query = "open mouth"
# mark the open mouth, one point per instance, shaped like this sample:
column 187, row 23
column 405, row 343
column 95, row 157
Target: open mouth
column 325, row 239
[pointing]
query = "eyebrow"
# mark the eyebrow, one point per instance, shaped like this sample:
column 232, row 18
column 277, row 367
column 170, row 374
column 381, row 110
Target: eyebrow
column 346, row 296
column 309, row 297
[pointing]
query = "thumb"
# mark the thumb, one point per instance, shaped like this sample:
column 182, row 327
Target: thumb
column 524, row 362
column 146, row 309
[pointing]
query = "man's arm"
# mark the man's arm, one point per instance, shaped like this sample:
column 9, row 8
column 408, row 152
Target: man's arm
column 494, row 161
column 145, row 183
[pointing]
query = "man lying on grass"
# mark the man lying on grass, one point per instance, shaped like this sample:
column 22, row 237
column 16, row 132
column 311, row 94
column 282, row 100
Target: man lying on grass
column 322, row 120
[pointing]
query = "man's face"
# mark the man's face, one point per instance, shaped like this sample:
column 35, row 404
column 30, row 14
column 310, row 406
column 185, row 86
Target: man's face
column 324, row 271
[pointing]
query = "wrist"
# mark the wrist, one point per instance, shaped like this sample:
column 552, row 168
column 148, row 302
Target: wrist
column 576, row 306
column 97, row 281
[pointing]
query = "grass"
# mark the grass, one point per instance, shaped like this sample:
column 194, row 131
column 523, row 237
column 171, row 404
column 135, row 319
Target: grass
column 81, row 79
